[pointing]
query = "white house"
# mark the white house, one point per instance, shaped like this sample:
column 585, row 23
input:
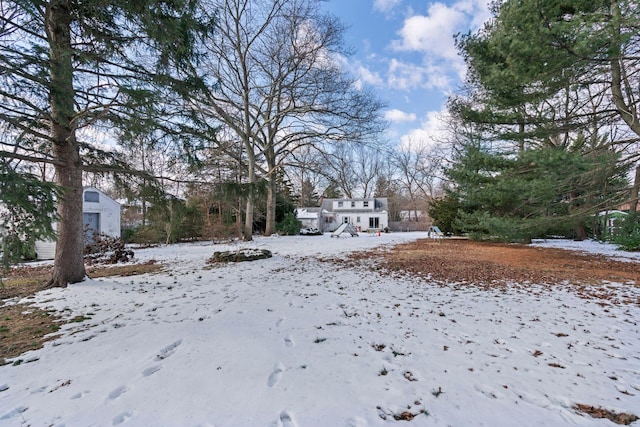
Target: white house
column 100, row 213
column 612, row 220
column 364, row 214
column 309, row 217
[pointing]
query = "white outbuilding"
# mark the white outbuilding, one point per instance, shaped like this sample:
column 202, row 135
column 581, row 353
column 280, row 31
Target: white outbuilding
column 100, row 213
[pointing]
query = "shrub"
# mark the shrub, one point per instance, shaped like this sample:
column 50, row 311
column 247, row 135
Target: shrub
column 289, row 226
column 628, row 237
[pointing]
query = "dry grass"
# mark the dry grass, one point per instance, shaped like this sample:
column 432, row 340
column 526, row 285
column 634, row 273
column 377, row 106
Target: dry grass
column 24, row 327
column 26, row 280
column 597, row 412
column 491, row 265
column 488, row 263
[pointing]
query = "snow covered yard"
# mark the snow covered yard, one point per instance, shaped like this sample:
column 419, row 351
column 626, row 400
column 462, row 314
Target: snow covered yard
column 297, row 341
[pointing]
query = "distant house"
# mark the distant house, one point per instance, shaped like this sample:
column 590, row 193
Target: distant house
column 611, row 221
column 309, row 217
column 364, row 214
column 100, row 213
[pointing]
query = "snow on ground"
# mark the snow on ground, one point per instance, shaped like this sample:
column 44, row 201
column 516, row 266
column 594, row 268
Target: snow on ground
column 296, row 341
column 591, row 247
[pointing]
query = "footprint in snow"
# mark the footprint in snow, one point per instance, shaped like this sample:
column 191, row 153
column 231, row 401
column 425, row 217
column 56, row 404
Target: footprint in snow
column 275, row 376
column 288, row 341
column 150, row 370
column 118, row 392
column 80, row 395
column 280, row 322
column 167, row 351
column 121, row 418
column 14, row 413
column 287, row 419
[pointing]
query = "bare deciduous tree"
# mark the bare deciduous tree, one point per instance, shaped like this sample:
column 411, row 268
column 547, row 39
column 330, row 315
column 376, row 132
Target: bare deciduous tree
column 277, row 83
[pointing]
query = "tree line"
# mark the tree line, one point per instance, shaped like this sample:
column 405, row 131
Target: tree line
column 217, row 101
column 232, row 111
column 547, row 127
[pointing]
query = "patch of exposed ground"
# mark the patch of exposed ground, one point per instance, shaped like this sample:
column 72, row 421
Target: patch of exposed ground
column 489, row 265
column 597, row 412
column 26, row 280
column 24, row 327
column 480, row 262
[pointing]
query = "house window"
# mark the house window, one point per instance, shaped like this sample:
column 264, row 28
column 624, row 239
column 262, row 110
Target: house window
column 358, row 219
column 353, row 204
column 339, row 204
column 365, row 203
column 345, row 219
column 374, row 222
column 92, row 196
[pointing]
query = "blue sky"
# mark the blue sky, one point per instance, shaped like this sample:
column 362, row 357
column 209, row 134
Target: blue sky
column 405, row 51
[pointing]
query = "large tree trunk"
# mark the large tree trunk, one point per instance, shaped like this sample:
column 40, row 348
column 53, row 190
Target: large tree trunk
column 635, row 191
column 271, row 206
column 69, row 264
column 581, row 233
column 247, row 234
column 272, row 190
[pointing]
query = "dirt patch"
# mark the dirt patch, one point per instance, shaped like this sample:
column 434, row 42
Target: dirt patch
column 491, row 265
column 597, row 412
column 487, row 263
column 26, row 280
column 24, row 327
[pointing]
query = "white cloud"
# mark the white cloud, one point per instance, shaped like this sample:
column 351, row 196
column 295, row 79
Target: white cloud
column 398, row 116
column 432, row 36
column 369, row 77
column 478, row 10
column 433, row 131
column 405, row 76
column 385, row 6
column 432, row 33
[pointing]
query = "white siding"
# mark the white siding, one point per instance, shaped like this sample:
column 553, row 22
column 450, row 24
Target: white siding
column 363, row 225
column 45, row 250
column 108, row 209
column 109, row 220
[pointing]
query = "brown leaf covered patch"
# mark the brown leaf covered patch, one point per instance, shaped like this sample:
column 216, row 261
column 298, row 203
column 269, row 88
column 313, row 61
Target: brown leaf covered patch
column 490, row 265
column 596, row 412
column 481, row 262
